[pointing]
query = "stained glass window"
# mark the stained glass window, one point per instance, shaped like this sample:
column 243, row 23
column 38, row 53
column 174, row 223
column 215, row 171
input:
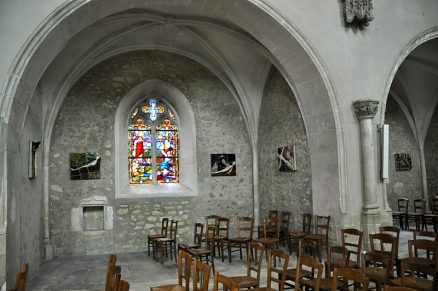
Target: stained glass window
column 153, row 143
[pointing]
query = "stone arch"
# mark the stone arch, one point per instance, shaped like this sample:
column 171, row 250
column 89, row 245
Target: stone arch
column 291, row 53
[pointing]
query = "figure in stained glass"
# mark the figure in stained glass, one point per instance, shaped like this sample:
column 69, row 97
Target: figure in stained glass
column 154, row 128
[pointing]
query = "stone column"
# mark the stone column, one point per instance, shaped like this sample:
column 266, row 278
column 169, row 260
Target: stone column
column 365, row 112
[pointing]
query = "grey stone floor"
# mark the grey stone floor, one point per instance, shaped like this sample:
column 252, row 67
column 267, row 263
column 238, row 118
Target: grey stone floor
column 88, row 272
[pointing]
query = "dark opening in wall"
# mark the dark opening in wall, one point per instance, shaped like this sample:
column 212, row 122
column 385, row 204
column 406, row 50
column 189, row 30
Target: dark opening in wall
column 93, row 217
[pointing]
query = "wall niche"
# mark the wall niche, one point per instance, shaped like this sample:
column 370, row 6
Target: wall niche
column 93, row 214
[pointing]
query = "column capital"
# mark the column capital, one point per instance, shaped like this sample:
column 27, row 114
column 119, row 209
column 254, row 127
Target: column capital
column 366, row 109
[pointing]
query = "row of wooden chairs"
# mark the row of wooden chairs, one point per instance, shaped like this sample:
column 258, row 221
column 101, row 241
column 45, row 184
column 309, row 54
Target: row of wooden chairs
column 421, row 216
column 20, row 279
column 164, row 242
column 113, row 280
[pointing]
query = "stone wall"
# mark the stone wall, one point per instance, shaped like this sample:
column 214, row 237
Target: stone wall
column 85, row 124
column 281, row 124
column 401, row 140
column 431, row 155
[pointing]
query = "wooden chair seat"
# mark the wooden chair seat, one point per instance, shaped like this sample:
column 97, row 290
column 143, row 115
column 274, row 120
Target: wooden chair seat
column 324, row 284
column 375, row 274
column 239, row 240
column 414, row 282
column 187, row 246
column 170, row 287
column 245, row 281
column 297, row 234
column 317, row 237
column 267, row 241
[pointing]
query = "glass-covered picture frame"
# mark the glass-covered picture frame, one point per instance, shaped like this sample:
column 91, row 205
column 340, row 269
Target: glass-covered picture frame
column 84, row 166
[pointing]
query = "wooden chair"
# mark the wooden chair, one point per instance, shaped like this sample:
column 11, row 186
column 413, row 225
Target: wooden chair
column 346, row 275
column 320, row 236
column 409, row 278
column 184, row 270
column 352, row 240
column 419, row 234
column 418, row 215
column 20, row 279
column 271, row 231
column 312, row 281
column 425, row 247
column 274, row 274
column 166, row 245
column 245, row 227
column 395, row 232
column 284, row 227
column 115, row 279
column 201, row 276
column 205, row 254
column 153, row 237
column 211, row 222
column 434, row 205
column 291, row 273
column 110, row 272
column 227, row 284
column 197, row 238
column 294, row 235
column 337, row 257
column 378, row 263
column 273, row 213
column 401, row 214
column 220, row 239
column 123, row 286
column 254, row 262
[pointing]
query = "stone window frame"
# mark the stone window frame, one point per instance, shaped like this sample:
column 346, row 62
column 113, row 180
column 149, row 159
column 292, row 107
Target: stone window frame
column 188, row 178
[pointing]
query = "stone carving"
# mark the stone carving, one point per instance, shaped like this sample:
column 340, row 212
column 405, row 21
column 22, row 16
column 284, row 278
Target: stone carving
column 365, row 109
column 403, row 162
column 358, row 11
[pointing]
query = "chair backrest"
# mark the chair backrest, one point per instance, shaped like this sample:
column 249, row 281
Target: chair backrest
column 307, row 247
column 419, row 234
column 379, row 256
column 245, row 226
column 115, row 279
column 223, row 227
column 271, row 227
column 201, row 276
column 164, row 226
column 434, row 206
column 316, row 272
column 20, row 279
column 197, row 233
column 273, row 213
column 349, row 274
column 122, row 286
column 307, row 222
column 352, row 240
column 110, row 271
column 173, row 229
column 211, row 220
column 395, row 232
column 210, row 232
column 184, row 269
column 277, row 274
column 403, row 205
column 338, row 255
column 428, row 248
column 227, row 283
column 322, row 225
column 412, row 268
column 254, row 259
column 419, row 205
column 285, row 219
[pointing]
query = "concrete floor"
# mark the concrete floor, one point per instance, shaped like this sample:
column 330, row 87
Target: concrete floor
column 88, row 272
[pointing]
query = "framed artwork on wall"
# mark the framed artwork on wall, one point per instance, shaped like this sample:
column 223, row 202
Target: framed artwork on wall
column 403, row 162
column 84, row 166
column 286, row 159
column 223, row 165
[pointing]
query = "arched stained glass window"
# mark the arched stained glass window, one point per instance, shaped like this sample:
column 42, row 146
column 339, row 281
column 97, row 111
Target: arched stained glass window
column 153, row 143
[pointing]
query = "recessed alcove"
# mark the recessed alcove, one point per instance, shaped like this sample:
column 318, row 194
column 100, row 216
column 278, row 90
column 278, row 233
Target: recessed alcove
column 93, row 217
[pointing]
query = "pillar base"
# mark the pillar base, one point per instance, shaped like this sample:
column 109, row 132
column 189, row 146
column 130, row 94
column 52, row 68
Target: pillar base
column 48, row 249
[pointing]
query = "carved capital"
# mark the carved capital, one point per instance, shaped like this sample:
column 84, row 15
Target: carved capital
column 358, row 12
column 366, row 109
